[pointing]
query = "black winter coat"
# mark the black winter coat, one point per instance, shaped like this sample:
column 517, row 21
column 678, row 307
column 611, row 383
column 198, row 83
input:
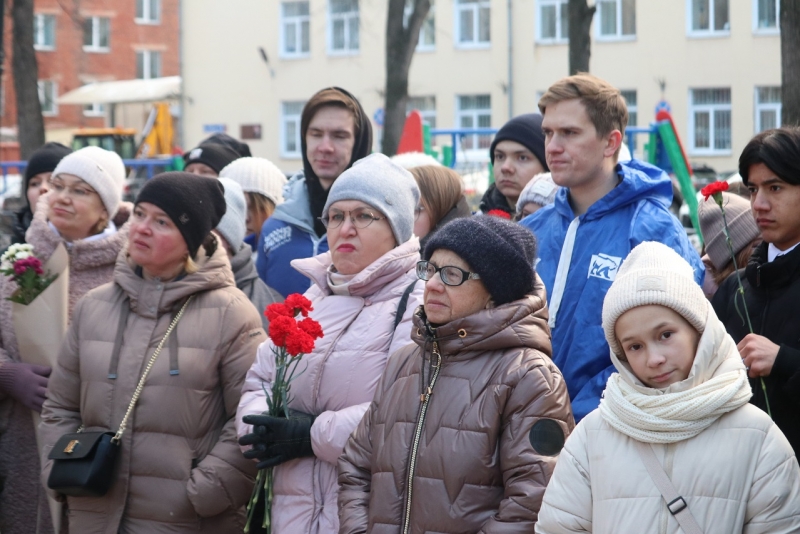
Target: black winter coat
column 772, row 294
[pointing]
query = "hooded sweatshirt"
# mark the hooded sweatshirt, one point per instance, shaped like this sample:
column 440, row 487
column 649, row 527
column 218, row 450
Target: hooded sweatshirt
column 590, row 249
column 294, row 230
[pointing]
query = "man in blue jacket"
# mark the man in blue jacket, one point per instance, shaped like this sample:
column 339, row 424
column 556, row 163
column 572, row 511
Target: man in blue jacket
column 603, row 210
column 334, row 133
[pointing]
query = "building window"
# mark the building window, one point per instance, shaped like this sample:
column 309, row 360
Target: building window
column 290, row 129
column 96, row 32
column 148, row 64
column 148, row 11
column 426, row 105
column 616, row 19
column 552, row 23
column 427, row 33
column 708, row 17
column 94, row 110
column 295, row 29
column 44, row 32
column 768, row 108
column 48, row 93
column 710, row 121
column 475, row 111
column 633, row 116
column 343, row 26
column 473, row 21
column 766, row 16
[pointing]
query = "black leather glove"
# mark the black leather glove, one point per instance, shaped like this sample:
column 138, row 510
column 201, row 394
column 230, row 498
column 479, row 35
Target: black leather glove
column 278, row 439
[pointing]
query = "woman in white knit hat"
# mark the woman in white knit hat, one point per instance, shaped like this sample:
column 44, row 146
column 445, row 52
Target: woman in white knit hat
column 674, row 446
column 262, row 183
column 85, row 195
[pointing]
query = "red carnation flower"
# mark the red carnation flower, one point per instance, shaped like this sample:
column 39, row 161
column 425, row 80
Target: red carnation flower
column 276, row 310
column 280, row 328
column 499, row 213
column 298, row 342
column 711, row 189
column 310, row 327
column 299, row 304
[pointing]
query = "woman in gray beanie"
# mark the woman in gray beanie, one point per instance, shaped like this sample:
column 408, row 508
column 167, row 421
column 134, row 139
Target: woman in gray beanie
column 363, row 296
column 468, row 421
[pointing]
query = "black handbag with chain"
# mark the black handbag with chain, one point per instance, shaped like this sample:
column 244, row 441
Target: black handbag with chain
column 83, row 462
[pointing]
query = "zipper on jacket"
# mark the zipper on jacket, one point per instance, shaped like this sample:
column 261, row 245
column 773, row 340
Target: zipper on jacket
column 424, row 398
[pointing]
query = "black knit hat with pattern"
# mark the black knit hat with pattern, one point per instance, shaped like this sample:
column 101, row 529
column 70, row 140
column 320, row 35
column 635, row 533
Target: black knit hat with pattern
column 501, row 252
column 194, row 203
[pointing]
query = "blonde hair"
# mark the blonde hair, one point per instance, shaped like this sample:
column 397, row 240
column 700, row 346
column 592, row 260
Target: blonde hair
column 603, row 102
column 260, row 206
column 440, row 189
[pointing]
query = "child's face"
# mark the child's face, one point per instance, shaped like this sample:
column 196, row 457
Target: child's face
column 659, row 344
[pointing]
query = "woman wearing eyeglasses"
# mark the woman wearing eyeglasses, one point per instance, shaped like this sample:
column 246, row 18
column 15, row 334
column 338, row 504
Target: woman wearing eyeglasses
column 363, row 294
column 467, row 423
column 85, row 192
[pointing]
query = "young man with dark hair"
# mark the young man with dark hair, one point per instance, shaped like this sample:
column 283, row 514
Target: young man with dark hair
column 603, row 210
column 770, row 168
column 334, row 133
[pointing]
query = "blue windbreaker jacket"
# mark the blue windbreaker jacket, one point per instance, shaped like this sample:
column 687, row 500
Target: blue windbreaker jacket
column 287, row 235
column 636, row 210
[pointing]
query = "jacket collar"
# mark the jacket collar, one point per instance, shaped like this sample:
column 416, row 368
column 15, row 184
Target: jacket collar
column 517, row 324
column 385, row 269
column 765, row 274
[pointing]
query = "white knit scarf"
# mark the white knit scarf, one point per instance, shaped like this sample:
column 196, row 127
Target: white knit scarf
column 674, row 416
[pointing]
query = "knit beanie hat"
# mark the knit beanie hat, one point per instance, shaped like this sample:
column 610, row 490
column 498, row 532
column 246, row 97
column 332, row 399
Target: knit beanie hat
column 101, row 169
column 540, row 190
column 257, row 175
column 741, row 224
column 214, row 155
column 525, row 130
column 501, row 252
column 232, row 226
column 194, row 203
column 653, row 273
column 384, row 185
column 44, row 159
column 240, row 147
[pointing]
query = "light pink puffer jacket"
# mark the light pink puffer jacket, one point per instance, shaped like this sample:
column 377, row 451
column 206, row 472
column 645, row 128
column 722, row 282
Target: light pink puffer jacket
column 339, row 379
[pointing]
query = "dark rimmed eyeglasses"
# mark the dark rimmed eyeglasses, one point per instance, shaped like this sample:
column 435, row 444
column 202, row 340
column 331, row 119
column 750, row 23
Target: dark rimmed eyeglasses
column 360, row 217
column 450, row 275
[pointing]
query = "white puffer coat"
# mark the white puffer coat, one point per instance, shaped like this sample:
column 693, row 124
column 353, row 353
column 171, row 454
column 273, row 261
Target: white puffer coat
column 737, row 475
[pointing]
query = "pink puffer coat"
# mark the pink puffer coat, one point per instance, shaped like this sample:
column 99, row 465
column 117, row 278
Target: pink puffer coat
column 339, row 379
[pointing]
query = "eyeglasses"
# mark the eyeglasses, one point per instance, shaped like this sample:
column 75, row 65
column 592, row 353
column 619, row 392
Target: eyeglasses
column 360, row 217
column 78, row 191
column 450, row 275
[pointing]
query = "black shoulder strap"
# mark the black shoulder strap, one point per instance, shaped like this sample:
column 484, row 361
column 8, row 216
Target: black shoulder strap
column 403, row 304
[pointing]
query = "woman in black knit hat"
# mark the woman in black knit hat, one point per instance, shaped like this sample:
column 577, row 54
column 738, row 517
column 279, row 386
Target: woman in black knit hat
column 179, row 467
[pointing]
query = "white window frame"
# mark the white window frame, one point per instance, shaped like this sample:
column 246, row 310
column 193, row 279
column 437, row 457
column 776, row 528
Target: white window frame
column 426, row 114
column 147, row 59
column 297, row 21
column 618, row 36
column 94, row 110
column 346, row 18
column 711, row 109
column 96, row 46
column 759, row 106
column 422, row 46
column 476, row 151
column 148, row 17
column 476, row 8
column 39, row 21
column 41, row 86
column 710, row 32
column 293, row 118
column 557, row 40
column 767, row 31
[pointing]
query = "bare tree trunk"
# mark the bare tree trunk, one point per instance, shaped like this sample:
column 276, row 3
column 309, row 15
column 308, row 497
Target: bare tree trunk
column 790, row 62
column 580, row 41
column 30, row 124
column 401, row 41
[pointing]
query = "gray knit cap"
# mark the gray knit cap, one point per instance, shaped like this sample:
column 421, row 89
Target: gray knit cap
column 384, row 185
column 232, row 226
column 540, row 190
column 741, row 225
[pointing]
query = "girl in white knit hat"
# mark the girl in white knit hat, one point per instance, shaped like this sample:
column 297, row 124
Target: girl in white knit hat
column 674, row 446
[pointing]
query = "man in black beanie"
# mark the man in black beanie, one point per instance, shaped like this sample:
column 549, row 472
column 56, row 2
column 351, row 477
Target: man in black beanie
column 517, row 155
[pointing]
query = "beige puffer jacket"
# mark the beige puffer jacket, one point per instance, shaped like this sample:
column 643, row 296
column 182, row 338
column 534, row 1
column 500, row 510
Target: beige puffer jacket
column 180, row 468
column 476, row 469
column 739, row 475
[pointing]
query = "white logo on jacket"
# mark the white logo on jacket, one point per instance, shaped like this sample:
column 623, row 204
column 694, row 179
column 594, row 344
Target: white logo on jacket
column 276, row 238
column 604, row 267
